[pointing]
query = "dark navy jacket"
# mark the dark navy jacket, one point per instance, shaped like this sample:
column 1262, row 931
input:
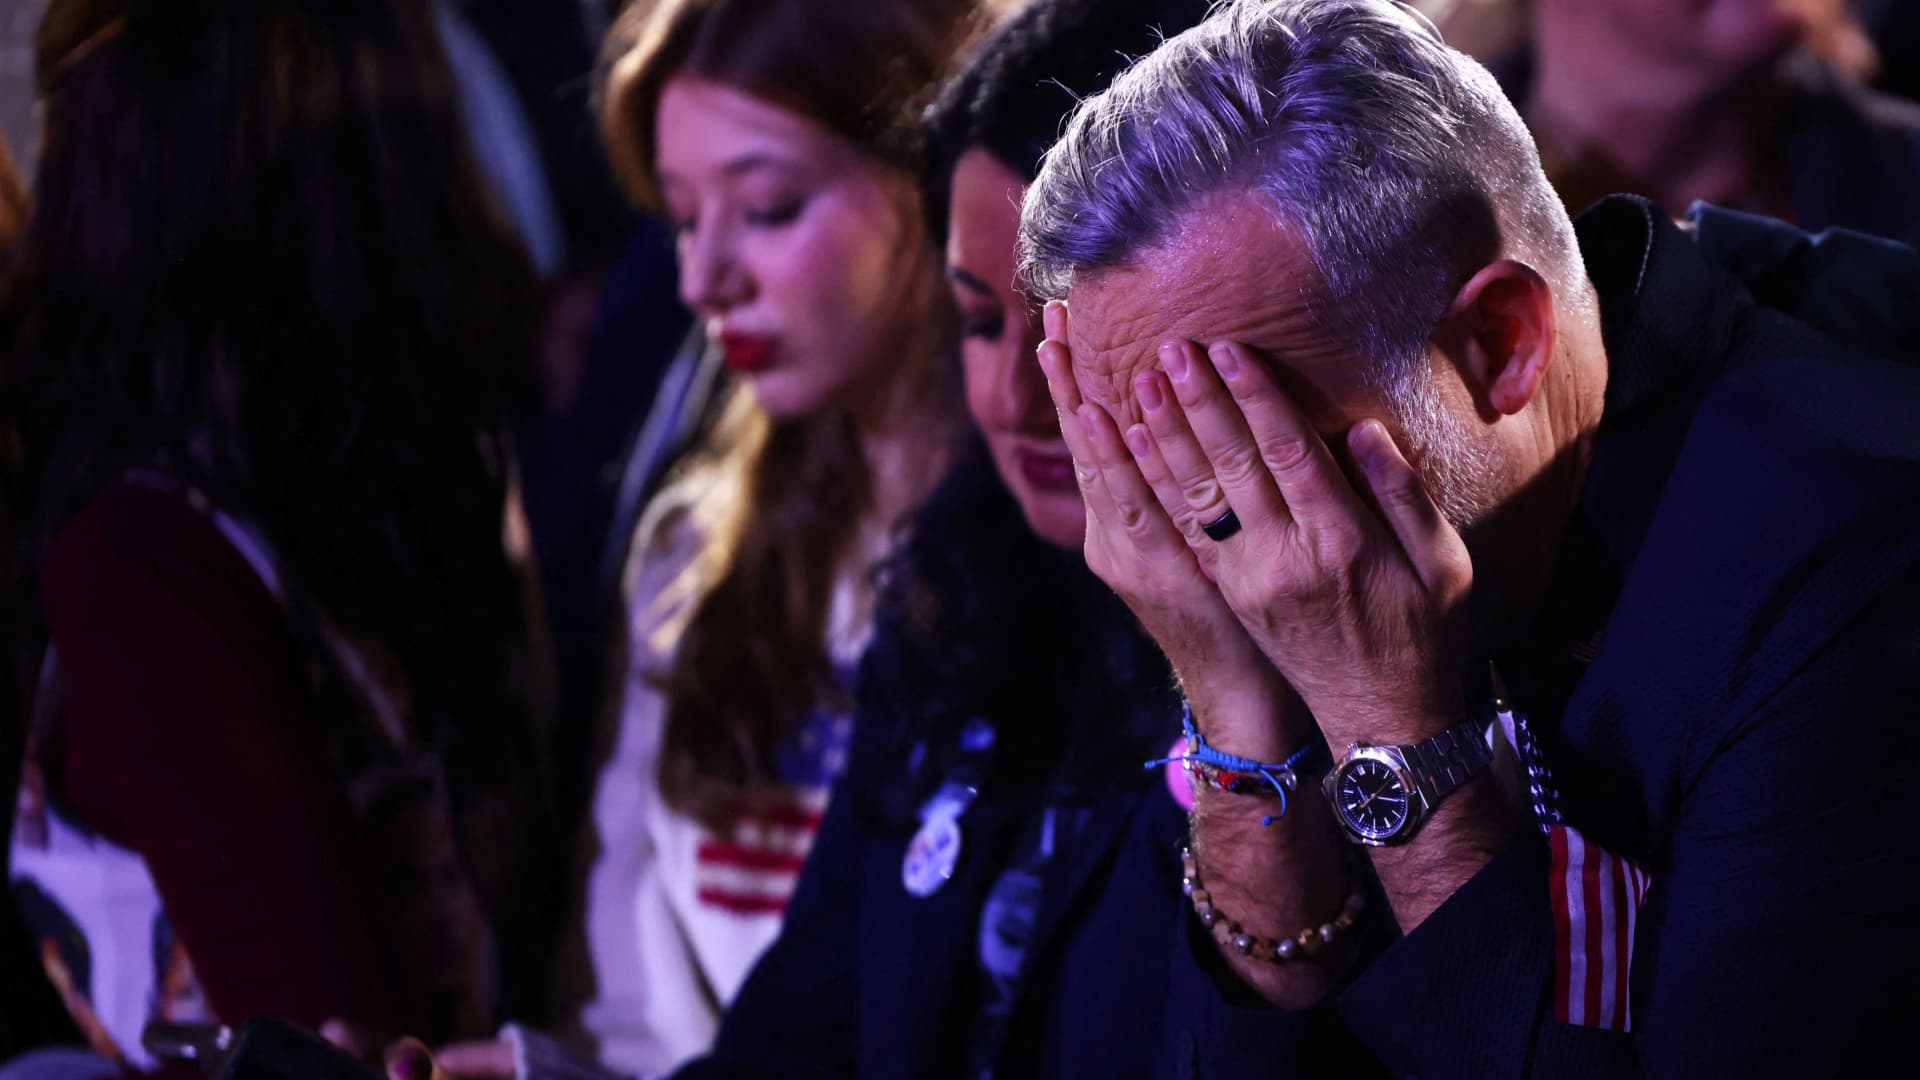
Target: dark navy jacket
column 1749, row 544
column 867, row 980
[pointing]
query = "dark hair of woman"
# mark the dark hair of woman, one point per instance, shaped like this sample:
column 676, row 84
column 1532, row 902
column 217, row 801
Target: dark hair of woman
column 1022, row 82
column 261, row 260
column 978, row 616
column 777, row 503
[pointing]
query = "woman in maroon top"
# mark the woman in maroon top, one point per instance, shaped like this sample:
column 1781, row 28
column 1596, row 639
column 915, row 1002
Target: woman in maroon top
column 264, row 336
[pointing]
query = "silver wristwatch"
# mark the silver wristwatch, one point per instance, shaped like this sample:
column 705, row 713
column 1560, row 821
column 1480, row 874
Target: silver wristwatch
column 1381, row 794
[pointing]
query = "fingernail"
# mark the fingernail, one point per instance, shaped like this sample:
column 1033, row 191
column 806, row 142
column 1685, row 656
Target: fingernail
column 1369, row 439
column 1226, row 361
column 1137, row 441
column 1173, row 356
column 1147, row 389
column 1084, row 414
column 1053, row 316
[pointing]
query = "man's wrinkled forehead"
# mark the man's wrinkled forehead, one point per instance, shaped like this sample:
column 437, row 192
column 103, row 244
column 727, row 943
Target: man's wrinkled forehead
column 1232, row 273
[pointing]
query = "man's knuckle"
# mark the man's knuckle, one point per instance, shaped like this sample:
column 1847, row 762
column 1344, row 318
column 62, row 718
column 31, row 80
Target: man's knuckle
column 1201, row 491
column 1238, row 465
column 1339, row 553
column 1286, row 453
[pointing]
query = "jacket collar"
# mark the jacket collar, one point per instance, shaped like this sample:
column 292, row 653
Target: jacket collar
column 1667, row 316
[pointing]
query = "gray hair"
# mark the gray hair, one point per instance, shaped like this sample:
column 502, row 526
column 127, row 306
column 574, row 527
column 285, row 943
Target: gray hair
column 1396, row 161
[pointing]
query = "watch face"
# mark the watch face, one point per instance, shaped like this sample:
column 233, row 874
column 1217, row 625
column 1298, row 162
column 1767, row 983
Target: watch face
column 1371, row 798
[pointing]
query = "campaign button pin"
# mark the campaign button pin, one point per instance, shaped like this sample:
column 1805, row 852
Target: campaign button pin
column 931, row 856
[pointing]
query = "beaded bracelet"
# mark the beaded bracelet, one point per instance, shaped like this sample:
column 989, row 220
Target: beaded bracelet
column 1242, row 776
column 1306, row 945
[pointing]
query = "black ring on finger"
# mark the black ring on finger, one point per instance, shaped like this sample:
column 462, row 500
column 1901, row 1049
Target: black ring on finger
column 1222, row 527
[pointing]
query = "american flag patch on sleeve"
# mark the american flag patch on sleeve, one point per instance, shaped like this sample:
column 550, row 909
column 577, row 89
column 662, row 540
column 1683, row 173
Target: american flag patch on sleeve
column 1596, row 897
column 1596, row 906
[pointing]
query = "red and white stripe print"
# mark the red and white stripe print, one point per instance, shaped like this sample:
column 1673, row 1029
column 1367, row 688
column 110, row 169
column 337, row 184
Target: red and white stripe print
column 755, row 870
column 1596, row 904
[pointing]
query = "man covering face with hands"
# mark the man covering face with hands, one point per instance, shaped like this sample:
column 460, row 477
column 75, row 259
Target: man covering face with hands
column 1359, row 414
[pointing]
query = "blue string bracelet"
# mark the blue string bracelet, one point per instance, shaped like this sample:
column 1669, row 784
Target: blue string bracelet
column 1244, row 776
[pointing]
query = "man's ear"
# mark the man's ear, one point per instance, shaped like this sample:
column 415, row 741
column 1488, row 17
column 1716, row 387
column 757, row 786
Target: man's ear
column 1499, row 330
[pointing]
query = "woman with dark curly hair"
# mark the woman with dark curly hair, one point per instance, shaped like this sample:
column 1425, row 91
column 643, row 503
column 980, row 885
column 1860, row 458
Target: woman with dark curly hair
column 264, row 337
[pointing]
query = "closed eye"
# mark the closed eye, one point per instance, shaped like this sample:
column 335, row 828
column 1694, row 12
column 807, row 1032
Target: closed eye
column 983, row 328
column 781, row 213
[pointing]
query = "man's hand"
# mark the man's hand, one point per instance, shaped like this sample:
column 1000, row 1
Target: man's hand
column 1275, row 881
column 1357, row 596
column 1134, row 546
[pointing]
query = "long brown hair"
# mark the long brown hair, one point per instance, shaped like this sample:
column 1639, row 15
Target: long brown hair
column 775, row 504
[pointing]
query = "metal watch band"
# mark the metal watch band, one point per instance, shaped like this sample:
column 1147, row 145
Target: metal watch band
column 1441, row 764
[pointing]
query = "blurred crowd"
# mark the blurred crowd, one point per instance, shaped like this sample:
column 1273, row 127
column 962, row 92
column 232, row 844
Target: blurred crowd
column 536, row 532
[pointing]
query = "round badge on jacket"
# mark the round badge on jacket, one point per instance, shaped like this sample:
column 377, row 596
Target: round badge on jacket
column 932, row 855
column 935, row 848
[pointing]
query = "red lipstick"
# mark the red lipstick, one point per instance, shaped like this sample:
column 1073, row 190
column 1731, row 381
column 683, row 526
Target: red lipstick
column 746, row 353
column 1047, row 472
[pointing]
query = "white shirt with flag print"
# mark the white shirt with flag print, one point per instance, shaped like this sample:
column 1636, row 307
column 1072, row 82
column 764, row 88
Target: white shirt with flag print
column 673, row 915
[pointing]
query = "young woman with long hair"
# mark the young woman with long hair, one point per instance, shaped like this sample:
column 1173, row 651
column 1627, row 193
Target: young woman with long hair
column 781, row 139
